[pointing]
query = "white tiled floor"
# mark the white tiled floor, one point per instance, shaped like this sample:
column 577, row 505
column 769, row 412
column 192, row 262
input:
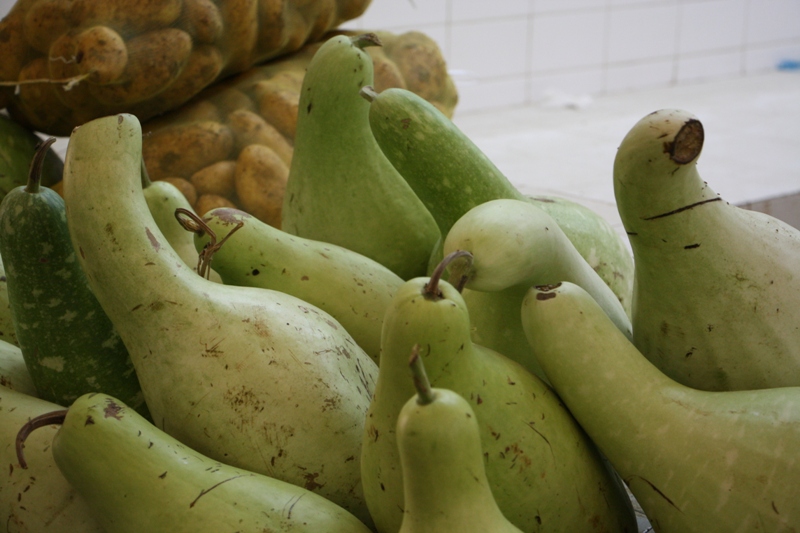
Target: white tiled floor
column 751, row 155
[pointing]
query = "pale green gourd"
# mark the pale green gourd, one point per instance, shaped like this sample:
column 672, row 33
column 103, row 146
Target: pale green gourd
column 136, row 478
column 352, row 288
column 253, row 378
column 544, row 473
column 697, row 461
column 163, row 198
column 36, row 499
column 444, row 480
column 717, row 287
column 341, row 187
column 516, row 245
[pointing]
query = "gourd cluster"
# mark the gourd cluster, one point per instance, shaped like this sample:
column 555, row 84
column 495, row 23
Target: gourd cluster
column 412, row 346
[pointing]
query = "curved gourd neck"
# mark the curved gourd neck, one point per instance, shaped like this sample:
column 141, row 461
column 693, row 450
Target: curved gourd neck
column 119, row 242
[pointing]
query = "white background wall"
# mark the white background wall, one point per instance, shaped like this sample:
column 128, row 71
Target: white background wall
column 509, row 52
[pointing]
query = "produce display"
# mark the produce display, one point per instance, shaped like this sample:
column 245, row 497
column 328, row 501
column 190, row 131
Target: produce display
column 75, row 60
column 396, row 339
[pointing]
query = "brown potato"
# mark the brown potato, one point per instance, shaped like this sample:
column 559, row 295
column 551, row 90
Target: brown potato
column 129, row 17
column 13, row 48
column 261, row 183
column 241, row 26
column 39, row 102
column 421, row 63
column 203, row 66
column 101, row 53
column 249, row 128
column 217, row 179
column 186, row 188
column 203, row 21
column 155, row 60
column 186, row 148
column 45, row 21
column 207, row 202
column 278, row 106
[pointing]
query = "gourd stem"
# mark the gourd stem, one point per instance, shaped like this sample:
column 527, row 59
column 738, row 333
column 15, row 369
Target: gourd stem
column 460, row 277
column 191, row 222
column 422, row 384
column 46, row 419
column 369, row 93
column 35, row 172
column 366, row 39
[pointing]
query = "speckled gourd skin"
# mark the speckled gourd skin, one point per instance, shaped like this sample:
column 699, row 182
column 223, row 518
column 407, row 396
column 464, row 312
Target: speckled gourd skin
column 70, row 345
column 444, row 480
column 36, row 499
column 544, row 472
column 695, row 460
column 13, row 372
column 137, row 478
column 341, row 188
column 716, row 286
column 254, row 378
column 352, row 288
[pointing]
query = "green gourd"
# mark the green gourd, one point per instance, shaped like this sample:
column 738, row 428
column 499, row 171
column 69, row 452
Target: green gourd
column 36, row 499
column 695, row 460
column 7, row 332
column 70, row 345
column 254, row 378
column 18, row 145
column 516, row 245
column 352, row 288
column 545, row 474
column 13, row 372
column 717, row 286
column 137, row 478
column 451, row 175
column 444, row 480
column 341, row 188
column 163, row 199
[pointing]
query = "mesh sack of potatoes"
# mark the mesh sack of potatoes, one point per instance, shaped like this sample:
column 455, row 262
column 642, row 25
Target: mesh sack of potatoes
column 232, row 144
column 64, row 62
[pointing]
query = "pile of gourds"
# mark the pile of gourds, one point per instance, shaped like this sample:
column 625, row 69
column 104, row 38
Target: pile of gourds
column 342, row 372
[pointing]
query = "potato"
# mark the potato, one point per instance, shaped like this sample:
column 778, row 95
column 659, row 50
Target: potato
column 203, row 21
column 13, row 48
column 203, row 66
column 278, row 105
column 182, row 150
column 186, row 188
column 261, row 183
column 207, row 202
column 249, row 128
column 45, row 21
column 155, row 60
column 241, row 25
column 39, row 102
column 101, row 53
column 420, row 61
column 218, row 179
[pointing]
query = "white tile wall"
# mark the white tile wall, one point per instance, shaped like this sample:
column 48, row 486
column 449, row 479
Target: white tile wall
column 511, row 52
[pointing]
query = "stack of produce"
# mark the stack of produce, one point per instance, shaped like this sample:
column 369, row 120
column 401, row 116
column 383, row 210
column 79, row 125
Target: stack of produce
column 332, row 377
column 75, row 60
